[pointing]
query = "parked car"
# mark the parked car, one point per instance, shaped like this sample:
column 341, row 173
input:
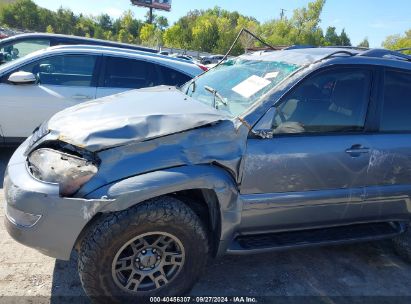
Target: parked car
column 266, row 152
column 212, row 59
column 6, row 32
column 185, row 57
column 21, row 45
column 37, row 86
column 191, row 59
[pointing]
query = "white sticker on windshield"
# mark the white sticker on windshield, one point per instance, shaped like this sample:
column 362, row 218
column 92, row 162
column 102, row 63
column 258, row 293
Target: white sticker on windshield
column 250, row 86
column 271, row 75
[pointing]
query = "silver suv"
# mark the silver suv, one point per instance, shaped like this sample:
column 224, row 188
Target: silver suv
column 265, row 152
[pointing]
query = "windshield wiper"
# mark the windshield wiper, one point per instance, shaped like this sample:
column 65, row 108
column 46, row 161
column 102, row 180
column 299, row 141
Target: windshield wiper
column 216, row 94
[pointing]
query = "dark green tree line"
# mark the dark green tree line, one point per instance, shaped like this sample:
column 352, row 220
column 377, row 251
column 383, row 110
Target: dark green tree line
column 211, row 30
column 26, row 15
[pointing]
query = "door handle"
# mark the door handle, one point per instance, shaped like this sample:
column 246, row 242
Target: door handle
column 356, row 150
column 82, row 97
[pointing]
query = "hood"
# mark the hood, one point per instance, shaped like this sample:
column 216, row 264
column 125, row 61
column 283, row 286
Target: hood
column 133, row 116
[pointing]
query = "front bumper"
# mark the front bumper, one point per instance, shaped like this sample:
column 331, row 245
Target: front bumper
column 60, row 220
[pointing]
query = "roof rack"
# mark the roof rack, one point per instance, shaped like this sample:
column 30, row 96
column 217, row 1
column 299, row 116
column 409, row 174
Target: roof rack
column 359, row 48
column 366, row 52
column 384, row 53
column 303, row 46
column 342, row 52
column 299, row 46
column 404, row 49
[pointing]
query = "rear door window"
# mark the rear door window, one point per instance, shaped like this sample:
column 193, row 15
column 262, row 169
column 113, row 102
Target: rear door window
column 129, row 73
column 396, row 109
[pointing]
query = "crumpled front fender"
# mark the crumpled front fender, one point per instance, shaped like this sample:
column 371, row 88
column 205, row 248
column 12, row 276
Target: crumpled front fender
column 134, row 190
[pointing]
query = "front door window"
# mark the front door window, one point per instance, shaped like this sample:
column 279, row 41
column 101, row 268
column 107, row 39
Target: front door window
column 332, row 101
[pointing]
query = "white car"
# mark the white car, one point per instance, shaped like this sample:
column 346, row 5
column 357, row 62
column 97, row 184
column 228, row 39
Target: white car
column 35, row 87
column 214, row 59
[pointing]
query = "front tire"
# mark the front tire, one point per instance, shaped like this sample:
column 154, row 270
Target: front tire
column 157, row 248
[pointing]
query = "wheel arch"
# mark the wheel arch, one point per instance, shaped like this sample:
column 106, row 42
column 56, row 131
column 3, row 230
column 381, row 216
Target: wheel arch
column 200, row 187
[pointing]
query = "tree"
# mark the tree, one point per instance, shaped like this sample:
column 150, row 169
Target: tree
column 128, row 27
column 46, row 18
column 161, row 22
column 302, row 28
column 105, row 22
column 108, row 35
column 364, row 43
column 180, row 34
column 212, row 30
column 22, row 14
column 306, row 22
column 252, row 25
column 344, row 40
column 150, row 35
column 98, row 33
column 226, row 36
column 396, row 42
column 65, row 21
column 331, row 37
column 129, row 23
column 173, row 37
column 50, row 29
column 85, row 26
column 205, row 33
column 124, row 36
column 277, row 32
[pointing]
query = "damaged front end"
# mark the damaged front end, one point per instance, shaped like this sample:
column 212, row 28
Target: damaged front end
column 66, row 173
column 41, row 210
column 69, row 171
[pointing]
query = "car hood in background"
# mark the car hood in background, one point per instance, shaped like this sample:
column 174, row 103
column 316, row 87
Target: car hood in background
column 133, row 116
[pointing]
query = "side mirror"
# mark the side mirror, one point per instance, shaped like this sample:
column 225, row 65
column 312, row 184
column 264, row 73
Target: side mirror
column 22, row 78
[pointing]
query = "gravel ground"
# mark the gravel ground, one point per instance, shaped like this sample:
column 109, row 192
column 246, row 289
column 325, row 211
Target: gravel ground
column 369, row 270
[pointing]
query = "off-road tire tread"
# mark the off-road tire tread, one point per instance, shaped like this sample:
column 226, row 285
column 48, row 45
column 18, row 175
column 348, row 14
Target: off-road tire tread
column 162, row 210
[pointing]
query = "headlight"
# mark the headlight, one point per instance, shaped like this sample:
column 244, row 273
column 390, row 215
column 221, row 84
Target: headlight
column 69, row 171
column 38, row 134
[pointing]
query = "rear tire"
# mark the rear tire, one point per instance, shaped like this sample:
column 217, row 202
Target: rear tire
column 402, row 244
column 157, row 248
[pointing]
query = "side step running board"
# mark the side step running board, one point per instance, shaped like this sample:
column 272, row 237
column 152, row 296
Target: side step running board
column 246, row 244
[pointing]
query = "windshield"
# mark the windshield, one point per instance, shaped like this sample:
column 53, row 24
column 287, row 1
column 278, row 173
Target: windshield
column 15, row 63
column 15, row 50
column 237, row 84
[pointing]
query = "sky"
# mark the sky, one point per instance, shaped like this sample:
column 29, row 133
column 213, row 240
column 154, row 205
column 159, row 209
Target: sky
column 375, row 19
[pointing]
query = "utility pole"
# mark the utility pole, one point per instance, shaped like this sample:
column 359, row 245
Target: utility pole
column 282, row 13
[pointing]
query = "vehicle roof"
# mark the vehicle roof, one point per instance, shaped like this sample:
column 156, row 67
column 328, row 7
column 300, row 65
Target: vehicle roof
column 115, row 49
column 338, row 55
column 299, row 56
column 76, row 38
column 175, row 63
